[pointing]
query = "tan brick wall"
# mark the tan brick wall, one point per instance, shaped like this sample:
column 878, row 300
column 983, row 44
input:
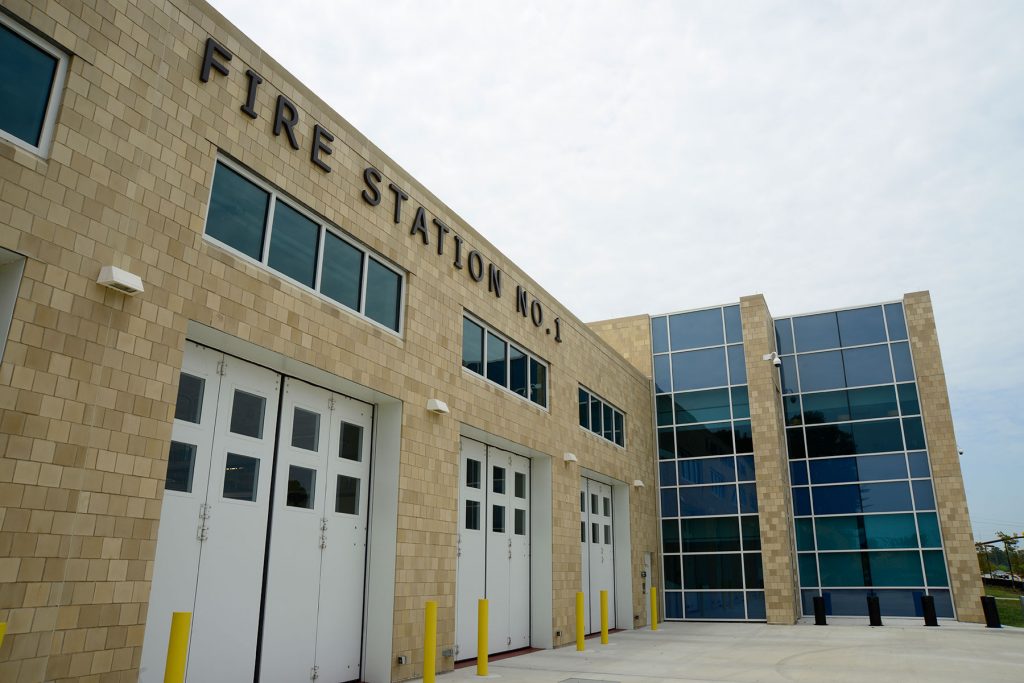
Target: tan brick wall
column 88, row 380
column 771, row 461
column 631, row 337
column 944, row 457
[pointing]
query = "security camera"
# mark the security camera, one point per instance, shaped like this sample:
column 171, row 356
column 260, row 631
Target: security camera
column 776, row 361
column 960, row 451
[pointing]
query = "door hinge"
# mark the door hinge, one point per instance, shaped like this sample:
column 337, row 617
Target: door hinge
column 203, row 532
column 222, row 367
column 314, row 673
column 330, row 403
column 509, row 641
column 323, row 533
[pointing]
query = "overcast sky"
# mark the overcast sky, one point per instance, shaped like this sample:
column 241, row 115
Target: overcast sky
column 645, row 157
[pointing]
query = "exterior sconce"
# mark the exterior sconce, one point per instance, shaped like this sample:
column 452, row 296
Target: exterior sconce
column 437, row 406
column 569, row 457
column 120, row 280
column 637, row 484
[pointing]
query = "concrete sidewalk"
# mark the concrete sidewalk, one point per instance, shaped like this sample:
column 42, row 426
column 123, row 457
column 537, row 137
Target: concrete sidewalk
column 845, row 651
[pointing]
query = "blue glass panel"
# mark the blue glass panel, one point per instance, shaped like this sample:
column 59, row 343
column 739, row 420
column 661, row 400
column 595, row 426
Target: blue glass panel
column 733, row 325
column 821, row 371
column 848, row 499
column 943, row 603
column 846, row 603
column 801, row 500
column 713, row 605
column 935, row 568
column 517, row 369
column 596, row 414
column 710, row 535
column 583, row 405
column 854, row 438
column 928, row 527
column 713, row 571
column 707, row 471
column 866, row 404
column 745, row 468
column 383, row 294
column 673, row 605
column 791, row 406
column 886, row 497
column 924, row 499
column 753, row 572
column 795, row 442
column 787, row 373
column 913, row 431
column 827, row 406
column 667, row 473
column 673, row 573
column 804, row 534
column 744, row 436
column 662, row 375
column 342, row 271
column 814, row 332
column 659, row 334
column 897, row 568
column 751, row 528
column 666, row 444
column 669, row 502
column 472, row 346
column 539, row 383
column 919, row 464
column 784, row 336
column 497, row 370
column 807, row 602
column 699, row 369
column 609, row 422
column 26, row 78
column 909, row 404
column 737, row 365
column 694, row 441
column 843, row 569
column 755, row 605
column 808, row 573
column 748, row 498
column 696, row 329
column 866, row 532
column 893, row 603
column 798, row 472
column 740, row 403
column 867, row 365
column 238, row 212
column 861, row 326
column 670, row 535
column 663, row 408
column 708, row 500
column 902, row 365
column 294, row 244
column 896, row 322
column 864, row 468
column 702, row 406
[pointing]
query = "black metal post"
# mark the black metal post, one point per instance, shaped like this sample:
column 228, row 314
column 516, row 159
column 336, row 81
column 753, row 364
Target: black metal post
column 988, row 605
column 819, row 612
column 928, row 607
column 1009, row 563
column 874, row 610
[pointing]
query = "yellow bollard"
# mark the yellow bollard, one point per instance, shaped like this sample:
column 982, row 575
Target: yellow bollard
column 481, row 637
column 3, row 630
column 579, row 622
column 177, row 647
column 429, row 642
column 604, row 617
column 654, row 609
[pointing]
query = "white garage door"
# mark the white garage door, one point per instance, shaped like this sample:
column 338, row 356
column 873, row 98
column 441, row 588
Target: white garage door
column 597, row 552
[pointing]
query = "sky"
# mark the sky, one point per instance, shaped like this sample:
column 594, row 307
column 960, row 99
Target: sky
column 646, row 157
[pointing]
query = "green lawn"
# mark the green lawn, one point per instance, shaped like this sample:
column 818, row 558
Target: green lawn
column 1010, row 612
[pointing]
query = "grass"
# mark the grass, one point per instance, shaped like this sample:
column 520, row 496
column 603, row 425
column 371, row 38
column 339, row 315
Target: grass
column 1010, row 611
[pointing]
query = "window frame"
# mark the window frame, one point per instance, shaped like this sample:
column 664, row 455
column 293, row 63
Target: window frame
column 509, row 342
column 592, row 397
column 56, row 89
column 324, row 227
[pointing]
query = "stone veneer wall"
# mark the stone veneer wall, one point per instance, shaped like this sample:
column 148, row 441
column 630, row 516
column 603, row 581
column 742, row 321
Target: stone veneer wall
column 943, row 454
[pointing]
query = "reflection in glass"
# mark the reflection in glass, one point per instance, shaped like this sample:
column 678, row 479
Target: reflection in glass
column 238, row 212
column 820, row 371
column 695, row 330
column 473, row 515
column 702, row 406
column 241, row 474
column 713, row 605
column 699, row 369
column 247, row 414
column 305, row 429
column 784, row 336
column 519, row 527
column 26, row 81
column 301, row 487
column 181, row 461
column 861, row 326
column 896, row 322
column 707, row 471
column 294, row 243
column 698, row 501
column 383, row 294
column 816, row 332
column 496, row 366
column 518, row 367
column 902, row 365
column 342, row 271
column 189, row 407
column 737, row 365
column 346, row 496
column 733, row 324
column 351, row 447
column 472, row 346
column 709, row 535
column 867, row 365
column 538, row 382
column 694, row 441
column 497, row 479
column 659, row 334
column 712, row 571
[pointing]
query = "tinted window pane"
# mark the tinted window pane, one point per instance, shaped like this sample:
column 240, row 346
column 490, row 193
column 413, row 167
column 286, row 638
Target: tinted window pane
column 708, row 500
column 695, row 441
column 909, row 404
column 342, row 271
column 808, row 570
column 662, row 375
column 751, row 532
column 346, row 497
column 784, row 336
column 294, row 244
column 699, row 369
column 919, row 464
column 247, row 414
column 745, row 468
column 472, row 346
column 755, row 605
column 659, row 334
column 190, row 398
column 663, row 407
column 181, row 462
column 798, row 472
column 519, row 527
column 814, row 332
column 748, row 498
column 753, row 572
column 844, row 569
column 496, row 370
column 804, row 534
column 498, row 519
column 737, row 365
column 740, row 402
column 791, row 406
column 667, row 473
column 733, row 324
column 861, row 326
column 351, row 447
column 867, row 365
column 305, row 429
column 702, row 406
column 707, row 471
column 238, row 212
column 520, row 485
column 896, row 322
column 854, row 438
column 795, row 442
column 673, row 572
column 712, row 571
column 902, row 365
column 801, row 500
column 872, row 402
column 301, row 487
column 473, row 515
column 744, row 436
column 787, row 373
column 713, row 605
column 914, row 433
column 26, row 77
column 498, row 479
column 620, row 433
column 383, row 294
column 241, row 475
column 608, row 422
column 928, row 526
column 538, row 382
column 584, row 409
column 866, row 532
column 856, row 498
column 827, row 406
column 895, row 569
column 865, row 468
column 713, row 534
column 821, row 371
column 517, row 366
column 924, row 499
column 669, row 502
column 670, row 535
column 935, row 568
column 696, row 329
column 472, row 473
column 666, row 444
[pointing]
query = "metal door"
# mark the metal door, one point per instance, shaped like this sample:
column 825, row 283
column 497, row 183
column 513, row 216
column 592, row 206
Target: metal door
column 499, row 547
column 470, row 570
column 600, row 552
column 519, row 557
column 585, row 551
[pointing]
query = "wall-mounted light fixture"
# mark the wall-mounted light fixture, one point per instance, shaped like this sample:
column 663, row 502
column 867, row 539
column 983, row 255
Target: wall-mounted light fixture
column 637, row 484
column 569, row 457
column 437, row 406
column 121, row 280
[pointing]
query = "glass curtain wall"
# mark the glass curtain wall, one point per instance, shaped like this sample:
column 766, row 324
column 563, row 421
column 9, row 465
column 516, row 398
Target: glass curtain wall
column 863, row 502
column 711, row 541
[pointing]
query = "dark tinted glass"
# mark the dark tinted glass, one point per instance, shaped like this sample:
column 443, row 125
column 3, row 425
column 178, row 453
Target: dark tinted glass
column 865, row 532
column 712, row 571
column 518, row 365
column 584, row 409
column 801, row 501
column 305, row 429
column 498, row 479
column 713, row 605
column 670, row 535
column 935, row 568
column 755, row 605
column 662, row 375
column 673, row 578
column 744, row 436
column 924, row 499
column 748, row 498
column 659, row 334
column 751, row 529
column 667, row 473
column 181, row 462
column 791, row 406
column 699, row 369
column 737, row 365
column 666, row 443
column 864, row 468
column 914, row 433
column 519, row 486
column 472, row 346
column 342, row 271
column 696, row 329
column 740, row 402
column 827, row 406
column 538, row 382
column 620, row 431
column 752, row 570
column 496, row 350
column 733, row 324
column 872, row 402
column 787, row 374
column 928, row 526
column 795, row 442
column 702, row 406
column 902, row 365
column 708, row 500
column 663, row 408
column 294, row 244
column 238, row 212
column 808, row 574
column 804, row 534
column 473, row 515
column 351, row 447
column 815, row 332
column 908, row 399
column 854, row 438
column 190, row 398
column 857, row 498
column 694, row 441
column 301, row 487
column 867, row 365
column 919, row 464
column 861, row 326
column 707, row 471
column 896, row 322
column 609, row 422
column 472, row 473
column 247, row 414
column 346, row 496
column 669, row 502
column 498, row 519
column 821, row 371
column 712, row 534
column 241, row 475
column 798, row 472
column 26, row 78
column 383, row 294
column 519, row 527
column 784, row 336
column 745, row 468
